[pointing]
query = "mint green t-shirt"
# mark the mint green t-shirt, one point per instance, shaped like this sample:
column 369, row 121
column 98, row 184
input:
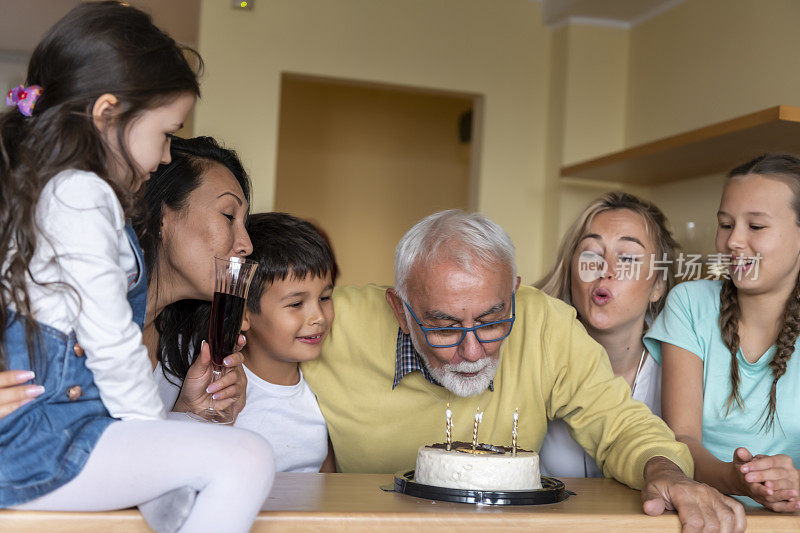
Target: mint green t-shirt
column 690, row 320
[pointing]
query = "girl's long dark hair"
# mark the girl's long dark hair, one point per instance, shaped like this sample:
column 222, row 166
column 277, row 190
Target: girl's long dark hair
column 787, row 169
column 180, row 325
column 96, row 49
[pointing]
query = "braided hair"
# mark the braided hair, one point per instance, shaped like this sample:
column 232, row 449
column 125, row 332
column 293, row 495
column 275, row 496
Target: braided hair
column 787, row 169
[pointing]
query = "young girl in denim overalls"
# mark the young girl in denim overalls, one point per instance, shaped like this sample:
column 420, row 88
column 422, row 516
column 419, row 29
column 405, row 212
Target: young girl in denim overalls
column 105, row 91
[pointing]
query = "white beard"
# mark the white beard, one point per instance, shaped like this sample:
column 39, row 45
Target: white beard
column 450, row 378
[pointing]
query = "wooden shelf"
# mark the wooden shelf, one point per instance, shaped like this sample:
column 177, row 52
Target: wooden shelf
column 709, row 150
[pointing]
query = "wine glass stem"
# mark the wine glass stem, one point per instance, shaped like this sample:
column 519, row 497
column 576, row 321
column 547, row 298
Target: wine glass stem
column 216, row 374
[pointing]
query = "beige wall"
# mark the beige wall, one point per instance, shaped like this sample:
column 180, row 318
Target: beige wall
column 366, row 163
column 703, row 62
column 691, row 207
column 589, row 81
column 710, row 60
column 556, row 112
column 465, row 46
column 595, row 92
column 550, row 97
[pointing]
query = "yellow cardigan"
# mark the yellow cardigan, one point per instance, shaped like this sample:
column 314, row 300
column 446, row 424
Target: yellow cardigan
column 549, row 368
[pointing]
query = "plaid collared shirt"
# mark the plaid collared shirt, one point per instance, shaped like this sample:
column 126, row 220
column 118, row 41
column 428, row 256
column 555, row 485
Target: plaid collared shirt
column 407, row 360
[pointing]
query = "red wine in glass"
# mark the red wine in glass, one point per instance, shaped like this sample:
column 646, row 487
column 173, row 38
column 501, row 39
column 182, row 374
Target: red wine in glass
column 226, row 321
column 232, row 277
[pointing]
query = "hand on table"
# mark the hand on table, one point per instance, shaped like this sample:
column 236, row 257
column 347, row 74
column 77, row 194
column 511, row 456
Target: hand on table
column 13, row 393
column 229, row 390
column 771, row 480
column 699, row 507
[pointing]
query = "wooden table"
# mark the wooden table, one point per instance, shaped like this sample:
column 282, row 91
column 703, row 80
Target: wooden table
column 355, row 503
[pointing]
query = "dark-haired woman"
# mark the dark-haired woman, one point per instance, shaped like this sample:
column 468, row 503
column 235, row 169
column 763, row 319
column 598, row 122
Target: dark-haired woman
column 195, row 209
column 731, row 379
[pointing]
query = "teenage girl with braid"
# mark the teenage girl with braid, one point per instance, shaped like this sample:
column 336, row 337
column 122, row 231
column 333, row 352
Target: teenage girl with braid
column 731, row 379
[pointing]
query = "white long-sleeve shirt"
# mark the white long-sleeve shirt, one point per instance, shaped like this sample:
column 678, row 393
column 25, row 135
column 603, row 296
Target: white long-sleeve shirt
column 82, row 242
column 561, row 456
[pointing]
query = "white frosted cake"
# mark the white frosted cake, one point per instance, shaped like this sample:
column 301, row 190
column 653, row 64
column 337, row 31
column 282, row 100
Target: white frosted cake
column 490, row 468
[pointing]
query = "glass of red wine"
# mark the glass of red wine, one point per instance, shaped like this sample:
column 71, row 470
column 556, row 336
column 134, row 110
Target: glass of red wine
column 232, row 282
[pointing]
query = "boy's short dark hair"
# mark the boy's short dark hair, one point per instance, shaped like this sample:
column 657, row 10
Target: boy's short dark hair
column 286, row 246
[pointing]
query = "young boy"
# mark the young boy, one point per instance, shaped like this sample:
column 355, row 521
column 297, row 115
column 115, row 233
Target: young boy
column 289, row 313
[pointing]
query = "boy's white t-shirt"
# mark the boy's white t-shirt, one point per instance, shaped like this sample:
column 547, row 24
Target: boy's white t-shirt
column 287, row 416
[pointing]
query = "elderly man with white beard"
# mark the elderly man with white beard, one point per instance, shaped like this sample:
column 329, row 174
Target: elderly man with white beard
column 457, row 328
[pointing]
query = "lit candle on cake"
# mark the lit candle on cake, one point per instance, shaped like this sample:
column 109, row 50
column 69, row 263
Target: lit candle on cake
column 449, row 426
column 514, row 432
column 478, row 419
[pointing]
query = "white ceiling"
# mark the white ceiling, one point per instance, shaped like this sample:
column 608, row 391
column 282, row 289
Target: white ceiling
column 24, row 22
column 621, row 13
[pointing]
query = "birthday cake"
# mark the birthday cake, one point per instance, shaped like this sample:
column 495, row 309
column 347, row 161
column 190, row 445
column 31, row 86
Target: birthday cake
column 486, row 467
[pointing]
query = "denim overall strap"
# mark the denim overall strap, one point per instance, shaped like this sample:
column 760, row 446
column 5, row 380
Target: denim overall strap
column 45, row 444
column 137, row 284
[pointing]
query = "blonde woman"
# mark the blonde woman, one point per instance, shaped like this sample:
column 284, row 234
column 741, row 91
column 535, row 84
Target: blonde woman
column 615, row 266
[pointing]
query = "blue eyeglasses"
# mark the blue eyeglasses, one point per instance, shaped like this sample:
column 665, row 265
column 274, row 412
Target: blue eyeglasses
column 453, row 336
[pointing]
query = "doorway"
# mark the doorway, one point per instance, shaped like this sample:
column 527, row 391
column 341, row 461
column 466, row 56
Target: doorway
column 366, row 162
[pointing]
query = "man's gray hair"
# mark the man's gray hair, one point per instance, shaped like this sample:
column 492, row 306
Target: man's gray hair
column 456, row 235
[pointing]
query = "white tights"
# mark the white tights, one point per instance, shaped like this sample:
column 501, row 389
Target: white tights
column 135, row 461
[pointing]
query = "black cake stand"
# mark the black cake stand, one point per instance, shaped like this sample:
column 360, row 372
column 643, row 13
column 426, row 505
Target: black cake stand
column 552, row 491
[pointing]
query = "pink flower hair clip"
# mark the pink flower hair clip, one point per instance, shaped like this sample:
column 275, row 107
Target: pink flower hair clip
column 24, row 98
